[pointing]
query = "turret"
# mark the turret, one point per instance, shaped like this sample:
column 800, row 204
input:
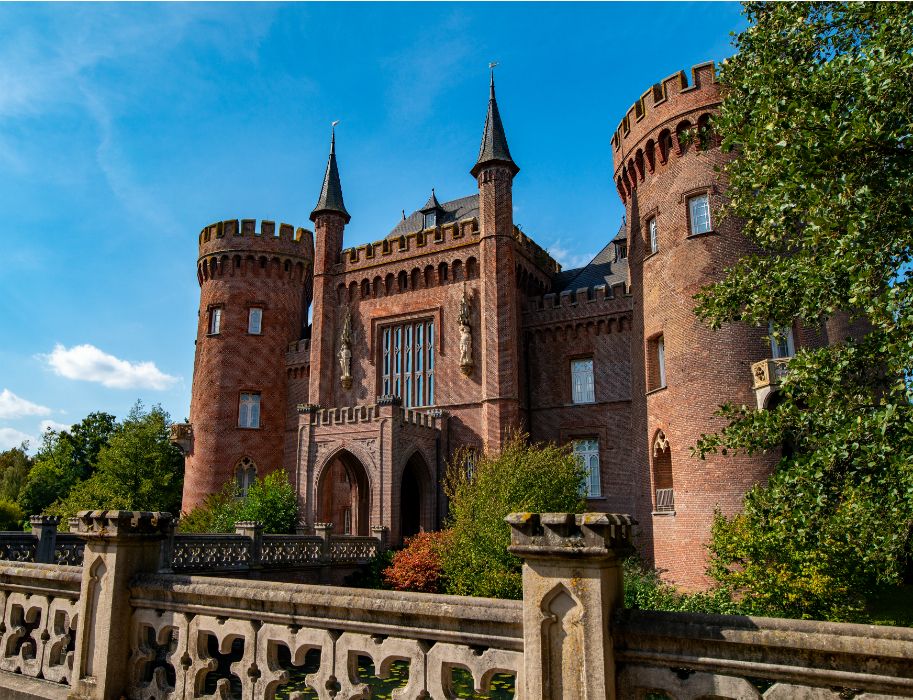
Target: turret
column 494, row 171
column 330, row 218
column 254, row 287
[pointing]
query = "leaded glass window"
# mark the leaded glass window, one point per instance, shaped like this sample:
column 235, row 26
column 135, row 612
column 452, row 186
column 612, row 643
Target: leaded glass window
column 587, row 452
column 407, row 366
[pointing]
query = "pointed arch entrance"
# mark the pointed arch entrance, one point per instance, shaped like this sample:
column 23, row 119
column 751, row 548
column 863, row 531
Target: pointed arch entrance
column 344, row 496
column 413, row 497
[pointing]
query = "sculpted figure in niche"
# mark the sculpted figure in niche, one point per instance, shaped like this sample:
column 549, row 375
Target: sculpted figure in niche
column 465, row 335
column 345, row 351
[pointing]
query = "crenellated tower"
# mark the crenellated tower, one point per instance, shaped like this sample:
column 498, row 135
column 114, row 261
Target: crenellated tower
column 255, row 288
column 494, row 171
column 668, row 172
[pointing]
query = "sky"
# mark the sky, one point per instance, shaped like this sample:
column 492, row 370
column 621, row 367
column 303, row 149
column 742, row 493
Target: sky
column 127, row 128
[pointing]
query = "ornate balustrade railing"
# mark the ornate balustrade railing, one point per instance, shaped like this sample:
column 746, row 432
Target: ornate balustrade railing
column 119, row 626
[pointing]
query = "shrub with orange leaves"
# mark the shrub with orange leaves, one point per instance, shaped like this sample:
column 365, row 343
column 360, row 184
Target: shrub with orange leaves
column 418, row 566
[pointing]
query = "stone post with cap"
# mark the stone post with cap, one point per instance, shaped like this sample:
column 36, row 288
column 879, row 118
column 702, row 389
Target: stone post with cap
column 572, row 584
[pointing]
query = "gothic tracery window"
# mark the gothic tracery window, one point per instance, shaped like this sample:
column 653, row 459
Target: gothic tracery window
column 407, row 365
column 245, row 475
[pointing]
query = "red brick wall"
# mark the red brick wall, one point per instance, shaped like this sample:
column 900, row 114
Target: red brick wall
column 238, row 269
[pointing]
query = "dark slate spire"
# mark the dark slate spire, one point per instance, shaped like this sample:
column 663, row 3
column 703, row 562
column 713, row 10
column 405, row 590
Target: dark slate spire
column 331, row 192
column 431, row 205
column 494, row 148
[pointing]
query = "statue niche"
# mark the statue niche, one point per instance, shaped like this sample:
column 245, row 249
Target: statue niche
column 345, row 351
column 464, row 320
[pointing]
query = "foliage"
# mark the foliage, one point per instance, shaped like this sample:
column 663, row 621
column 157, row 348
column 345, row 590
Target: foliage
column 819, row 110
column 418, row 566
column 138, row 469
column 646, row 590
column 11, row 515
column 64, row 458
column 271, row 500
column 14, row 469
column 522, row 478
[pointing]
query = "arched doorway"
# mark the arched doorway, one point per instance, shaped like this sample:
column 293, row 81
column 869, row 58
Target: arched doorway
column 343, row 495
column 411, row 496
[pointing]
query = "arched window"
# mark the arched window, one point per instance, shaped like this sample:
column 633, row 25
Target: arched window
column 662, row 474
column 245, row 475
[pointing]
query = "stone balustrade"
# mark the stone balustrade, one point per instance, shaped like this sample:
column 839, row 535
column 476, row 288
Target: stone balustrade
column 121, row 627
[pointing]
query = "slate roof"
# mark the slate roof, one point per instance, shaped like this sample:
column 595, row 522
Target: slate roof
column 494, row 141
column 463, row 208
column 331, row 193
column 602, row 269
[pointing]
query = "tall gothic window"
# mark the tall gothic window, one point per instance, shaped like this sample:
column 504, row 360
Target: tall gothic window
column 587, row 451
column 582, row 389
column 245, row 475
column 249, row 410
column 407, row 366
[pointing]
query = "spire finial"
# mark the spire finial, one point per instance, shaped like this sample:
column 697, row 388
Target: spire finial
column 331, row 193
column 494, row 141
column 491, row 87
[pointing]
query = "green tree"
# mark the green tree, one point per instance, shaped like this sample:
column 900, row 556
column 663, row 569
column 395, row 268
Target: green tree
column 818, row 109
column 521, row 478
column 271, row 500
column 14, row 470
column 138, row 469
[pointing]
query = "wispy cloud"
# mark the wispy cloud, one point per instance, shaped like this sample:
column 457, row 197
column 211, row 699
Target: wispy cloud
column 53, row 425
column 10, row 437
column 12, row 406
column 88, row 363
column 568, row 259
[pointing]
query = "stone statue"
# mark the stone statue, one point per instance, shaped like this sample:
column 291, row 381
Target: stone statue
column 345, row 351
column 464, row 320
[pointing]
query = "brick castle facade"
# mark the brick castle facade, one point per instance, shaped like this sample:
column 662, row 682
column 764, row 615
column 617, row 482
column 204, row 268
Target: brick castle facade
column 457, row 328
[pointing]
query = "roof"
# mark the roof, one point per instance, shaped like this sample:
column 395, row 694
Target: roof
column 455, row 210
column 494, row 141
column 432, row 203
column 602, row 269
column 331, row 193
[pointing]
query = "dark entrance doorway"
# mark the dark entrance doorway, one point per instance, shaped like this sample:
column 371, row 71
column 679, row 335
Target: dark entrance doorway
column 410, row 497
column 343, row 495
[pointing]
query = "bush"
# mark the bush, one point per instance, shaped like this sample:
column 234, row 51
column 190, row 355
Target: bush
column 271, row 500
column 646, row 590
column 418, row 567
column 11, row 516
column 522, row 478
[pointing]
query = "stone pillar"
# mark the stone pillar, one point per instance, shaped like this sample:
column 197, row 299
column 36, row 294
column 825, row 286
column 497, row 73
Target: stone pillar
column 253, row 530
column 572, row 584
column 381, row 533
column 44, row 528
column 119, row 545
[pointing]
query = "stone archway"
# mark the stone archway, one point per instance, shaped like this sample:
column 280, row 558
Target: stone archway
column 414, row 502
column 344, row 495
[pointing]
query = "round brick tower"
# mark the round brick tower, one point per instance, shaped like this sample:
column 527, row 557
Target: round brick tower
column 255, row 289
column 665, row 159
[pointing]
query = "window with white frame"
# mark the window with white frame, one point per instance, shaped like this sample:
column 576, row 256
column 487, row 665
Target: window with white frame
column 582, row 388
column 255, row 320
column 430, row 219
column 215, row 320
column 699, row 213
column 661, row 360
column 587, row 452
column 781, row 341
column 245, row 475
column 407, row 365
column 654, row 241
column 656, row 363
column 249, row 410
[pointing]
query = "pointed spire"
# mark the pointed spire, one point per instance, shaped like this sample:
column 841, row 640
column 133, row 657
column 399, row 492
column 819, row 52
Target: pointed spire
column 432, row 203
column 494, row 148
column 331, row 192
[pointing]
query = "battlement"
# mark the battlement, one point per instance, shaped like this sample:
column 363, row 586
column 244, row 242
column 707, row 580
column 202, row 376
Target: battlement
column 575, row 298
column 370, row 413
column 539, row 255
column 243, row 235
column 664, row 100
column 410, row 245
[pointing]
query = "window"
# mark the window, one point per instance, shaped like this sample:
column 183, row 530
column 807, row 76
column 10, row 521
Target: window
column 430, row 219
column 654, row 241
column 347, row 522
column 781, row 344
column 407, row 365
column 587, row 452
column 699, row 213
column 245, row 475
column 662, row 475
column 215, row 320
column 621, row 250
column 582, row 390
column 254, row 321
column 249, row 410
column 656, row 363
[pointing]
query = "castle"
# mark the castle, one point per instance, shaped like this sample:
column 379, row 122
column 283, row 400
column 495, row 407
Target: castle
column 456, row 328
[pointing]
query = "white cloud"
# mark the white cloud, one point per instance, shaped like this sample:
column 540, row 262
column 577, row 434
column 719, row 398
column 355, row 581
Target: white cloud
column 53, row 425
column 12, row 406
column 89, row 364
column 568, row 259
column 10, row 437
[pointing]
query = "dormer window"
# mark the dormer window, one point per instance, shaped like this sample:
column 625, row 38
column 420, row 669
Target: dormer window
column 430, row 219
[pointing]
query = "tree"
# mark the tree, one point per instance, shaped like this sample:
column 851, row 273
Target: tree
column 522, row 477
column 14, row 469
column 138, row 469
column 818, row 109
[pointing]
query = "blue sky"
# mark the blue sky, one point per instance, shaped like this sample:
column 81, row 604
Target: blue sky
column 124, row 129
